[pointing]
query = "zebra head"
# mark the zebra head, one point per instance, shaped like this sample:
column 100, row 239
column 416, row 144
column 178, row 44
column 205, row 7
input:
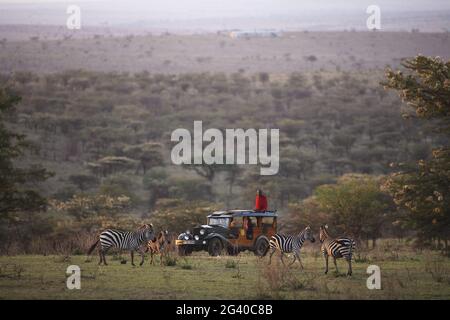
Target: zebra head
column 308, row 234
column 148, row 232
column 323, row 233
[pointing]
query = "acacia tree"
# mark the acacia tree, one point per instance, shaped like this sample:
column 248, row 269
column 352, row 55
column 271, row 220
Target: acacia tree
column 233, row 174
column 424, row 188
column 207, row 171
column 148, row 154
column 304, row 213
column 17, row 187
column 83, row 181
column 156, row 181
column 356, row 206
column 177, row 216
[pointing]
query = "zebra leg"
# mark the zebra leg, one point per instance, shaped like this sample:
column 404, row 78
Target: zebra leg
column 326, row 263
column 122, row 259
column 100, row 255
column 300, row 260
column 142, row 257
column 335, row 264
column 132, row 257
column 295, row 258
column 104, row 258
column 281, row 257
column 349, row 272
column 271, row 254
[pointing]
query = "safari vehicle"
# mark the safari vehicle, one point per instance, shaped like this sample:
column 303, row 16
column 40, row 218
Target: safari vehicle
column 233, row 231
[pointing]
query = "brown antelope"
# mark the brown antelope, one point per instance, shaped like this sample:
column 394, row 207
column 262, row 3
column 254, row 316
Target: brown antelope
column 160, row 245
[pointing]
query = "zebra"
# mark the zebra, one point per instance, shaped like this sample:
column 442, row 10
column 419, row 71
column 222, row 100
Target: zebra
column 337, row 248
column 124, row 240
column 289, row 244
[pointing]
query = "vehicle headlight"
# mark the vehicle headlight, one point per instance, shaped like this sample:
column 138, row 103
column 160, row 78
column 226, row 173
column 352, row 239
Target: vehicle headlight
column 202, row 231
column 186, row 237
column 196, row 237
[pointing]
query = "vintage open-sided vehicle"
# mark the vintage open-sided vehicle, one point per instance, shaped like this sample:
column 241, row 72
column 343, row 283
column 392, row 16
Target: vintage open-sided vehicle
column 233, row 231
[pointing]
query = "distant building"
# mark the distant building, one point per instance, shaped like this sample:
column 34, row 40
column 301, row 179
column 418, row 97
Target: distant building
column 256, row 33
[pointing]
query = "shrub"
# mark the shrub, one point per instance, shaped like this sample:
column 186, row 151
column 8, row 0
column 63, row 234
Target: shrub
column 170, row 261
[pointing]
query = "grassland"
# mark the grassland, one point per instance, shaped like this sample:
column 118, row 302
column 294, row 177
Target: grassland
column 405, row 274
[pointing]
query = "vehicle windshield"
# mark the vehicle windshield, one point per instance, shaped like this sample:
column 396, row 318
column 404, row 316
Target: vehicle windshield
column 223, row 222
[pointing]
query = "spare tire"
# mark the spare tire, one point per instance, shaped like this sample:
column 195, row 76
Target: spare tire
column 261, row 247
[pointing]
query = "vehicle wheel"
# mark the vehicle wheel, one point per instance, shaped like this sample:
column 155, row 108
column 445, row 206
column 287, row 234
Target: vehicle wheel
column 184, row 251
column 261, row 247
column 232, row 250
column 215, row 247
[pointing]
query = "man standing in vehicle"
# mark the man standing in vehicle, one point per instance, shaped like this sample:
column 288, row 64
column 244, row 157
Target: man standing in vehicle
column 260, row 201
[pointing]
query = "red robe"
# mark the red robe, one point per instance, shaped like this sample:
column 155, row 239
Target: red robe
column 260, row 203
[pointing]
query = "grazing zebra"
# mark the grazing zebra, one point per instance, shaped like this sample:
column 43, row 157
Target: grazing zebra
column 124, row 240
column 160, row 245
column 337, row 248
column 289, row 244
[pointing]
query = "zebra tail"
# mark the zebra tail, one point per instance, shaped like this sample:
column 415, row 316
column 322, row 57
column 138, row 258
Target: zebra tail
column 93, row 247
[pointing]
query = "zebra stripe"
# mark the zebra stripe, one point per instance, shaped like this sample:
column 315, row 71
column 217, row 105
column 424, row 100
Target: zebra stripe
column 336, row 248
column 290, row 244
column 339, row 248
column 287, row 243
column 124, row 240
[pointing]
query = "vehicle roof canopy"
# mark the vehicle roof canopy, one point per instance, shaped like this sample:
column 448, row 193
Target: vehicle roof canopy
column 242, row 213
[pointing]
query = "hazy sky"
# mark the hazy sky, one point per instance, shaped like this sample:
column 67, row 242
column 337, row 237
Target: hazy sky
column 215, row 7
column 230, row 13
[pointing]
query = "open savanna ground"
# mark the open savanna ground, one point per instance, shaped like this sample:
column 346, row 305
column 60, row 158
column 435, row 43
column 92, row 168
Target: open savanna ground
column 405, row 274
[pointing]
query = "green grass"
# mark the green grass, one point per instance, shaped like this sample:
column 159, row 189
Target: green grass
column 408, row 275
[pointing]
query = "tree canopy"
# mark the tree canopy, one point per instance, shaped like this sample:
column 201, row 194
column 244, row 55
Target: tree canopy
column 423, row 188
column 18, row 190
